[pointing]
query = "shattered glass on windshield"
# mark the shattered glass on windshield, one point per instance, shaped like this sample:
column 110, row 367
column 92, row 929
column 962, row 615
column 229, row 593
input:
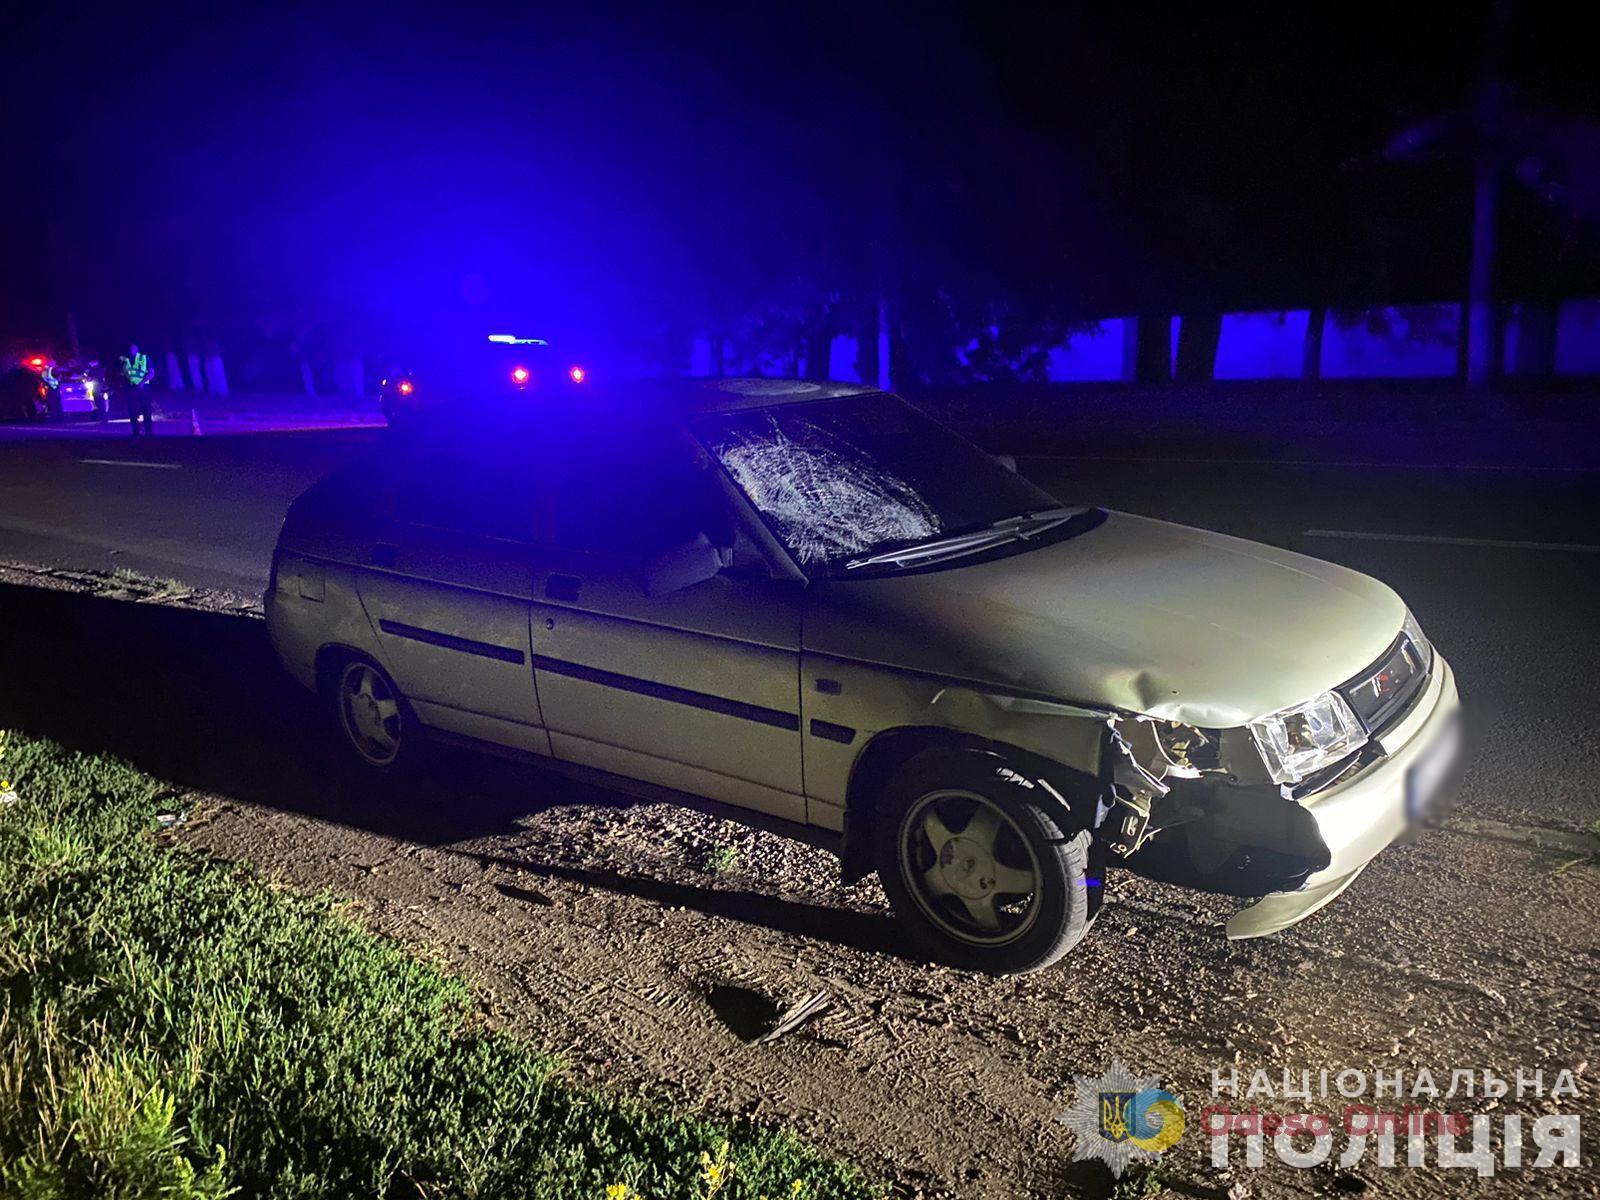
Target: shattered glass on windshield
column 828, row 499
column 840, row 479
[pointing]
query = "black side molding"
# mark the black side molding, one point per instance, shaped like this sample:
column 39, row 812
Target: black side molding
column 450, row 641
column 842, row 734
column 777, row 718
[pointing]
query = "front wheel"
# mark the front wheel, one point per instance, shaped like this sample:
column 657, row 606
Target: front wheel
column 982, row 864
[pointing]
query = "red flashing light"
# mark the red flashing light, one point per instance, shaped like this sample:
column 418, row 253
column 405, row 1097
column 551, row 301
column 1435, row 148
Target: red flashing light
column 519, row 375
column 37, row 362
column 405, row 387
column 577, row 374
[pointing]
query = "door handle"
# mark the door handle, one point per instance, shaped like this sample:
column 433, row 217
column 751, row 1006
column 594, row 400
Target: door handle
column 563, row 587
column 385, row 554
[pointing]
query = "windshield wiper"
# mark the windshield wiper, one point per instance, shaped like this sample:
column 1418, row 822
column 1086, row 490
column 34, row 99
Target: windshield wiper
column 1007, row 529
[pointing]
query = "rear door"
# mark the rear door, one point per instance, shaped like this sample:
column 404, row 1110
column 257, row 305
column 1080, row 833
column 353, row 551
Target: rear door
column 447, row 590
column 697, row 689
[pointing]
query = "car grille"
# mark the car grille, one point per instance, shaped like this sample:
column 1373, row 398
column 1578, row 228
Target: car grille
column 1384, row 691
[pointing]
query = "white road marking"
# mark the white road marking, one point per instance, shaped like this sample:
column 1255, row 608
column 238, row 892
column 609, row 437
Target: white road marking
column 1291, row 462
column 120, row 462
column 1359, row 535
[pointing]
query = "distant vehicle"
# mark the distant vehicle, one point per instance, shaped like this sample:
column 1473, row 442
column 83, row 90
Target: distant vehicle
column 814, row 604
column 83, row 391
column 502, row 365
column 21, row 394
column 62, row 391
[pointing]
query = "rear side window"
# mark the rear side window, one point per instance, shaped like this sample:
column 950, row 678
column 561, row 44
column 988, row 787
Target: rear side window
column 597, row 490
column 481, row 491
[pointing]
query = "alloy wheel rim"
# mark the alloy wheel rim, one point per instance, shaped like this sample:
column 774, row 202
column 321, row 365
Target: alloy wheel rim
column 969, row 867
column 369, row 713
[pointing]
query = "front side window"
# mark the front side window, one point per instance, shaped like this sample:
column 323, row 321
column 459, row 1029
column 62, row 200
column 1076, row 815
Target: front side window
column 626, row 498
column 841, row 482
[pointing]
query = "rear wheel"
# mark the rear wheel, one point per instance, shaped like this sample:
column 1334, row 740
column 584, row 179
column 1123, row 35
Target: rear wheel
column 371, row 717
column 982, row 863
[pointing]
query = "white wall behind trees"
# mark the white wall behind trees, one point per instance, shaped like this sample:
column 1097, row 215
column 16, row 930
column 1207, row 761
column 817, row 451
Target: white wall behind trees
column 1391, row 342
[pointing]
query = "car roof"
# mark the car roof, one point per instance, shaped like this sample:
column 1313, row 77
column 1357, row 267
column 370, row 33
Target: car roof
column 640, row 407
column 693, row 396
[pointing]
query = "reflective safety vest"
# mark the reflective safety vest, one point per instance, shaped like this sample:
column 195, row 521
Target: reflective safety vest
column 136, row 370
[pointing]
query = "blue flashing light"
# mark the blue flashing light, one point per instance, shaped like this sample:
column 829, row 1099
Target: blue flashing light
column 511, row 339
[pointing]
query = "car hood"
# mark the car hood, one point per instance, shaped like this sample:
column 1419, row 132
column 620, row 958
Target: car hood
column 1135, row 614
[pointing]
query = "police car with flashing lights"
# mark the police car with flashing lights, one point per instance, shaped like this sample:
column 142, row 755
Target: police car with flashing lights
column 503, row 364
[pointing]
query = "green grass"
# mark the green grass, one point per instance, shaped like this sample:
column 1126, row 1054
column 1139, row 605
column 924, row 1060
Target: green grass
column 173, row 1026
column 1141, row 1183
column 137, row 581
column 1585, row 860
column 724, row 858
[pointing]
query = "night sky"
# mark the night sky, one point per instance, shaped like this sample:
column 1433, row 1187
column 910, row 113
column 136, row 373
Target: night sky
column 589, row 169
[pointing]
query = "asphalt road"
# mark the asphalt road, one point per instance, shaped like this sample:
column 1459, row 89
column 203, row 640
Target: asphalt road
column 204, row 510
column 1475, row 947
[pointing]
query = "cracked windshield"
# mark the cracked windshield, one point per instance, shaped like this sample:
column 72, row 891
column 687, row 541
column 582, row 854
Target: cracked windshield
column 837, row 480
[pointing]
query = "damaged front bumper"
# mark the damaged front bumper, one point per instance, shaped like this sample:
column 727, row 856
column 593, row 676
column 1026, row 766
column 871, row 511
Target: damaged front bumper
column 1301, row 853
column 1358, row 818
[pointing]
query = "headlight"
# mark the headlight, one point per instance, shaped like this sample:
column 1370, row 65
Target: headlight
column 1417, row 638
column 1301, row 740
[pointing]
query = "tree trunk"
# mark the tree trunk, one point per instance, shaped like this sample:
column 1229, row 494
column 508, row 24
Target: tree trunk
column 1478, row 325
column 1198, row 336
column 1153, row 350
column 1536, row 340
column 1311, row 356
column 821, row 356
column 885, row 376
column 866, row 332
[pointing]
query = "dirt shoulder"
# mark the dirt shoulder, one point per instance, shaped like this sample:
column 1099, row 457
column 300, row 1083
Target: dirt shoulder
column 603, row 928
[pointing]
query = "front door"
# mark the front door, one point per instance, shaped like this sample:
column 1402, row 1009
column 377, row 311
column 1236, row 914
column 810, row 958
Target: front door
column 696, row 689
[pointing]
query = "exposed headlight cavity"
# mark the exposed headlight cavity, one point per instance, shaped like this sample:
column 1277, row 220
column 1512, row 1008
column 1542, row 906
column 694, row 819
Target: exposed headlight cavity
column 1303, row 739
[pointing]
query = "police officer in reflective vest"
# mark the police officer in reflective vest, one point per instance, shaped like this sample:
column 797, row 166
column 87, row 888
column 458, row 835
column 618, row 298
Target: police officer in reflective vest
column 136, row 379
column 50, row 391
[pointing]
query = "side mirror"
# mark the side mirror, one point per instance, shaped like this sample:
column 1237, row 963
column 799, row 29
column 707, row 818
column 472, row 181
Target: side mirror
column 682, row 566
column 1008, row 461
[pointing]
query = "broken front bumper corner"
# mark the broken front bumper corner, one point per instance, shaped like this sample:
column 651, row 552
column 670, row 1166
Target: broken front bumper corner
column 1359, row 818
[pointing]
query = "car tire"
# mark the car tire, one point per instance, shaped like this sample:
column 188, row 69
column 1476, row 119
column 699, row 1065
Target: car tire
column 984, row 865
column 370, row 720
